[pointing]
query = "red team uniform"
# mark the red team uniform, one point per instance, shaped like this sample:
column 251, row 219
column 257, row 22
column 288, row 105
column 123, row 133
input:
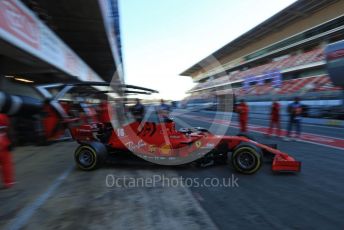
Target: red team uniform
column 104, row 115
column 5, row 155
column 275, row 119
column 243, row 110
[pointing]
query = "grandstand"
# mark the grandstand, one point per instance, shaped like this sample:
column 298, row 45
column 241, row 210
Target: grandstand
column 280, row 58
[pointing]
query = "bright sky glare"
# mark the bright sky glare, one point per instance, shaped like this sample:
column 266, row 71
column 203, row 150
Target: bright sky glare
column 162, row 38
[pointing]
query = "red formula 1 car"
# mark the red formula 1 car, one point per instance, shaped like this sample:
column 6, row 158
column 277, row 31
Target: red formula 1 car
column 161, row 143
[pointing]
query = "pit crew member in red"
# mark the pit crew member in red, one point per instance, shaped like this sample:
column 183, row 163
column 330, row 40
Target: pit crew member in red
column 242, row 110
column 104, row 115
column 5, row 155
column 275, row 119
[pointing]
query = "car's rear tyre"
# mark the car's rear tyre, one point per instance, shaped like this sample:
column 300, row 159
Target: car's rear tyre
column 246, row 158
column 247, row 136
column 89, row 157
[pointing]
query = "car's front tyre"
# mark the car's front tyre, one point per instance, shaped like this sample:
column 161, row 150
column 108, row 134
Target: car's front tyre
column 246, row 158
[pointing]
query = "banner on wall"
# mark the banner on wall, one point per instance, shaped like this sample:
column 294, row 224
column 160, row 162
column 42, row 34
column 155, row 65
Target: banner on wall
column 274, row 76
column 20, row 27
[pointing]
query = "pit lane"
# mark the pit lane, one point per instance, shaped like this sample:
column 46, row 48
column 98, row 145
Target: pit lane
column 312, row 199
column 51, row 193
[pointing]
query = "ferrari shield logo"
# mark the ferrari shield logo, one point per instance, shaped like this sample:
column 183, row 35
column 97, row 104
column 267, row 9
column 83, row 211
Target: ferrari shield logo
column 198, row 144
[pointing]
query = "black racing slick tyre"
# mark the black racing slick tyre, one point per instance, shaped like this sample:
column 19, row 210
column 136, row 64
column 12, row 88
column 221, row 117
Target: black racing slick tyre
column 90, row 156
column 246, row 135
column 247, row 158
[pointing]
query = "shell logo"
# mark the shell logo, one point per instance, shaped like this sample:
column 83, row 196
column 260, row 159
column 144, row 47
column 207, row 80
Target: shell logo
column 165, row 149
column 152, row 148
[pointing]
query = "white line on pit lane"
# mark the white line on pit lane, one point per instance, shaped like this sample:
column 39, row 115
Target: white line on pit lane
column 305, row 124
column 25, row 214
column 305, row 141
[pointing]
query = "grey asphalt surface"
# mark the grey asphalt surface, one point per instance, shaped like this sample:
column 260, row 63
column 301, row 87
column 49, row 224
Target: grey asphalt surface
column 337, row 132
column 331, row 131
column 313, row 199
column 52, row 194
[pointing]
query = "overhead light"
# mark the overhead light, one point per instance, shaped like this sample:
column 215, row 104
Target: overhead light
column 9, row 76
column 23, row 80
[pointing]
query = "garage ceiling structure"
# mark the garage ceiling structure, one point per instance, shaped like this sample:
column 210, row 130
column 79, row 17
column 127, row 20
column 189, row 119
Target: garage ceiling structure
column 76, row 40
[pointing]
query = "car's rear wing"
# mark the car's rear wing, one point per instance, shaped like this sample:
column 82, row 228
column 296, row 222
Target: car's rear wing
column 89, row 88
